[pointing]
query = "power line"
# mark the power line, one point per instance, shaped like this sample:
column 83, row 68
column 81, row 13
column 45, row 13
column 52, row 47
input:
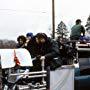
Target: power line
column 23, row 10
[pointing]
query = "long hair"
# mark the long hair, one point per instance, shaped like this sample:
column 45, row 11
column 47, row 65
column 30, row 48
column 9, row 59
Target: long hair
column 41, row 35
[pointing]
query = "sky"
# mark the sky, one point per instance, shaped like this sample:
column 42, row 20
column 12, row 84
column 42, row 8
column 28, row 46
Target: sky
column 17, row 17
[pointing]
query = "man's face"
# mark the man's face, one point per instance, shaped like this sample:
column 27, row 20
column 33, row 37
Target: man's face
column 28, row 37
column 40, row 40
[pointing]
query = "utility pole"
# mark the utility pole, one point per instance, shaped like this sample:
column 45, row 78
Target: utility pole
column 53, row 19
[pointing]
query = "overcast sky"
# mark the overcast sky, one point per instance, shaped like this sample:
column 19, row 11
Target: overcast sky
column 21, row 16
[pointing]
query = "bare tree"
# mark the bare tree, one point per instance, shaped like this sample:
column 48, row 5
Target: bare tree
column 7, row 44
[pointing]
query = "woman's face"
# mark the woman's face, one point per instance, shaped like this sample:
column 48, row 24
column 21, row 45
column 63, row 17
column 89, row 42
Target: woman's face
column 40, row 40
column 20, row 41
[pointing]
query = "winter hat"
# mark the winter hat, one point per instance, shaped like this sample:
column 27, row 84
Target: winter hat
column 30, row 34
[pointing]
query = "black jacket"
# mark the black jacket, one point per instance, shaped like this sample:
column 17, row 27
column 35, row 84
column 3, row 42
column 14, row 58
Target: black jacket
column 50, row 50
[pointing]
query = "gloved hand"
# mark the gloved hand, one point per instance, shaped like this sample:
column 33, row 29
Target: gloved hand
column 42, row 58
column 38, row 56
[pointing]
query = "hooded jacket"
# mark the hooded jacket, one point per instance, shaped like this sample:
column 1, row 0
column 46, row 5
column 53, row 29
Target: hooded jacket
column 49, row 49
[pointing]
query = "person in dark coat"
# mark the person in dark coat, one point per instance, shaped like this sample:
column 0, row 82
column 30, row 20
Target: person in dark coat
column 42, row 46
